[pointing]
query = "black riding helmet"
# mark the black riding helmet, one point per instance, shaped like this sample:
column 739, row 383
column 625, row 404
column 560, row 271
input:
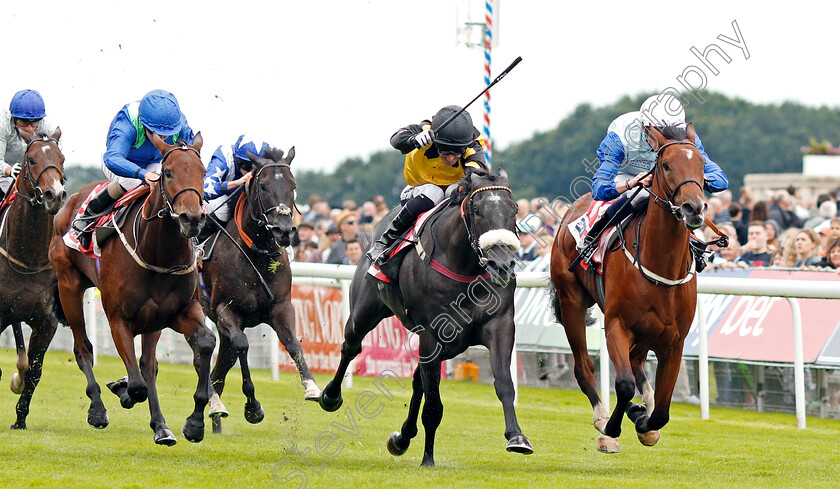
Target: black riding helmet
column 455, row 136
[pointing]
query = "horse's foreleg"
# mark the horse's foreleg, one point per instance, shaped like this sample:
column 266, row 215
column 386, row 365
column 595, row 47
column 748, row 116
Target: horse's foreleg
column 224, row 362
column 149, row 370
column 638, row 355
column 39, row 341
column 254, row 412
column 22, row 364
column 123, row 337
column 500, row 338
column 667, row 369
column 618, row 345
column 399, row 441
column 433, row 407
column 283, row 324
column 202, row 341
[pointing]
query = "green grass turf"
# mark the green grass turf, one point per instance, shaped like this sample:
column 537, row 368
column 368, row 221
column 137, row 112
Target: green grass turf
column 733, row 449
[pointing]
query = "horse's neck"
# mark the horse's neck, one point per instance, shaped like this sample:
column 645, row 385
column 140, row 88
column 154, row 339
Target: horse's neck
column 663, row 242
column 262, row 238
column 26, row 230
column 452, row 244
column 159, row 241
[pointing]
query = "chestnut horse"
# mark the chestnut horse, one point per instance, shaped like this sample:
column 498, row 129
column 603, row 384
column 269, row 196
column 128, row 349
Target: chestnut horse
column 262, row 229
column 458, row 294
column 29, row 290
column 148, row 281
column 649, row 291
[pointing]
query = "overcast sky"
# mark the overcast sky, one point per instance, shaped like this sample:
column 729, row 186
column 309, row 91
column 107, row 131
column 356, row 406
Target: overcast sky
column 337, row 78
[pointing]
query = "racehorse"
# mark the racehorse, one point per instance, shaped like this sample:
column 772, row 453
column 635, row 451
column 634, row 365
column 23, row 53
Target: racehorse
column 262, row 228
column 469, row 247
column 29, row 290
column 148, row 281
column 649, row 291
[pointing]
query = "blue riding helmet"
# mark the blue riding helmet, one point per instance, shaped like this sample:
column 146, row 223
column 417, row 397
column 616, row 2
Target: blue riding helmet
column 246, row 143
column 27, row 104
column 160, row 113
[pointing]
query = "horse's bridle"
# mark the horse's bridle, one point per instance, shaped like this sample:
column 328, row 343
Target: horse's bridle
column 167, row 200
column 469, row 220
column 667, row 202
column 37, row 197
column 261, row 215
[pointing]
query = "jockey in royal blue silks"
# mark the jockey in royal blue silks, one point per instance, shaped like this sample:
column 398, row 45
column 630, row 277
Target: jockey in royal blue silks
column 27, row 114
column 626, row 157
column 130, row 157
column 229, row 169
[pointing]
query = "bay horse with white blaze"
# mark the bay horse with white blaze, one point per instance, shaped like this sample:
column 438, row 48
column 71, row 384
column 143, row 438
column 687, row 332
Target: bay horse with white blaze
column 29, row 292
column 148, row 280
column 462, row 297
column 251, row 253
column 649, row 291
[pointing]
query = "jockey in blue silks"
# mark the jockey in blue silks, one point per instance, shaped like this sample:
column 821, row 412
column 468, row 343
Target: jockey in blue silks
column 626, row 157
column 130, row 157
column 229, row 169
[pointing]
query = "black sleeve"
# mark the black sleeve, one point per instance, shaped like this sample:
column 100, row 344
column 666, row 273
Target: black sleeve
column 478, row 157
column 403, row 139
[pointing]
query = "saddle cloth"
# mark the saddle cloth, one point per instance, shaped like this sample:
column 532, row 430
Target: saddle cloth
column 105, row 225
column 410, row 238
column 580, row 226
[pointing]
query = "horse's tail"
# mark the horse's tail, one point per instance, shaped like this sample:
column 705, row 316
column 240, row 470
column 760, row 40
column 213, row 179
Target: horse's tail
column 555, row 303
column 57, row 309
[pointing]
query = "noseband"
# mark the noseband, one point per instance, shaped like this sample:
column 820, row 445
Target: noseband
column 668, row 201
column 37, row 197
column 261, row 215
column 167, row 200
column 468, row 216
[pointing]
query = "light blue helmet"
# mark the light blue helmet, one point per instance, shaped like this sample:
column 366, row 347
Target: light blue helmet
column 160, row 113
column 246, row 143
column 27, row 104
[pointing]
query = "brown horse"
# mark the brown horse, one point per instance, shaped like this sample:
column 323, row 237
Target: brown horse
column 649, row 291
column 254, row 252
column 148, row 281
column 29, row 291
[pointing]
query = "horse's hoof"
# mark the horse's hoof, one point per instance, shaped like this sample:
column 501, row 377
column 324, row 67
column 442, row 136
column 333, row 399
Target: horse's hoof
column 328, row 404
column 98, row 421
column 126, row 402
column 20, row 425
column 649, row 439
column 193, row 432
column 311, row 392
column 117, row 386
column 393, row 448
column 165, row 437
column 608, row 444
column 601, row 424
column 520, row 444
column 217, row 408
column 427, row 462
column 254, row 414
column 16, row 383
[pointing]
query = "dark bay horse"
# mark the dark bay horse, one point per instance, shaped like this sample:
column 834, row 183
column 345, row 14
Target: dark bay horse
column 148, row 280
column 471, row 241
column 262, row 229
column 29, row 290
column 649, row 291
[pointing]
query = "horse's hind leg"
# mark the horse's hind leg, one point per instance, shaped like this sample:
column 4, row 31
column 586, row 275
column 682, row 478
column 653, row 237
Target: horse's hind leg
column 283, row 324
column 149, row 370
column 667, row 369
column 638, row 355
column 399, row 441
column 22, row 364
column 39, row 341
column 224, row 362
column 366, row 312
column 202, row 341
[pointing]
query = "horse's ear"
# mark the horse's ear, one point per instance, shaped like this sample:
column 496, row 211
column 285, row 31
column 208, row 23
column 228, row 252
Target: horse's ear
column 690, row 132
column 56, row 134
column 198, row 142
column 503, row 173
column 254, row 158
column 654, row 138
column 157, row 141
column 289, row 157
column 473, row 179
column 27, row 138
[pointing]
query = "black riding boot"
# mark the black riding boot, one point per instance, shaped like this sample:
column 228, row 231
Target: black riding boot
column 84, row 223
column 698, row 251
column 400, row 224
column 587, row 247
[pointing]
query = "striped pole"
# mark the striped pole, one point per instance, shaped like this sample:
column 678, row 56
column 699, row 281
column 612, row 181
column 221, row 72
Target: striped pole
column 488, row 38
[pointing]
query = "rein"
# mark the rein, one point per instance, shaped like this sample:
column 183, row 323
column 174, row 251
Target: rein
column 167, row 200
column 469, row 220
column 261, row 215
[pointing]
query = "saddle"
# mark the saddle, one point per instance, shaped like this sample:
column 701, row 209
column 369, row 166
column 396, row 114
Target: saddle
column 580, row 227
column 106, row 225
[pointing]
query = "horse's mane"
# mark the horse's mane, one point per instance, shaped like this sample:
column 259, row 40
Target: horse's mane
column 465, row 186
column 673, row 133
column 274, row 154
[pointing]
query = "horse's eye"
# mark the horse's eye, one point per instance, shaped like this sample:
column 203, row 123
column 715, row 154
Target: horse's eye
column 31, row 161
column 167, row 173
column 666, row 167
column 476, row 211
column 262, row 186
